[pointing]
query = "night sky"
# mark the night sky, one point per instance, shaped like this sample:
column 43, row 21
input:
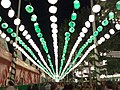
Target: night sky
column 65, row 8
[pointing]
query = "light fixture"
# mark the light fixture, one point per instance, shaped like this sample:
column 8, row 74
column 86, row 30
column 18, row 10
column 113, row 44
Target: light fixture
column 87, row 24
column 84, row 30
column 25, row 32
column 7, row 39
column 112, row 31
column 107, row 36
column 28, row 36
column 117, row 26
column 53, row 9
column 3, row 35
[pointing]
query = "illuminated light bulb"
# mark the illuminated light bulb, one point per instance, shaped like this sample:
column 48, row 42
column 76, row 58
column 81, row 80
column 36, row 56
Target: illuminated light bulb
column 84, row 30
column 21, row 28
column 54, row 26
column 25, row 32
column 91, row 18
column 52, row 1
column 76, row 4
column 3, row 35
column 67, row 34
column 53, row 9
column 7, row 39
column 117, row 26
column 87, row 24
column 17, row 21
column 11, row 13
column 53, row 18
column 28, row 36
column 99, row 28
column 112, row 31
column 33, row 18
column 6, row 3
column 96, row 8
column 107, row 36
column 82, row 34
column 54, row 35
column 79, row 38
column 29, row 8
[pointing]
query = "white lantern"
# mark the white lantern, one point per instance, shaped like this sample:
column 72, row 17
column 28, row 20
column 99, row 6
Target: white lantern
column 52, row 1
column 7, row 39
column 17, row 21
column 107, row 36
column 54, row 30
column 53, row 18
column 87, row 24
column 3, row 35
column 25, row 32
column 82, row 34
column 112, row 31
column 21, row 28
column 11, row 13
column 28, row 36
column 96, row 8
column 6, row 3
column 53, row 9
column 84, row 30
column 54, row 26
column 117, row 26
column 91, row 18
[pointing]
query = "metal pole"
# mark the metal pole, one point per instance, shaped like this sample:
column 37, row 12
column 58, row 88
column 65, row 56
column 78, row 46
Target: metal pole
column 95, row 50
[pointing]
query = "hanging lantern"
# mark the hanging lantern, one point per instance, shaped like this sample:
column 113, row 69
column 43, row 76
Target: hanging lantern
column 29, row 8
column 4, row 25
column 72, row 24
column 74, row 16
column 11, row 13
column 100, row 28
column 9, row 30
column 6, row 3
column 111, row 15
column 13, row 34
column 105, row 22
column 67, row 34
column 118, row 5
column 33, row 18
column 72, row 29
column 76, row 4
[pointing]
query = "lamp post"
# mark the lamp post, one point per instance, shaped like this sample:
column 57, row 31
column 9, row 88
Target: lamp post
column 95, row 49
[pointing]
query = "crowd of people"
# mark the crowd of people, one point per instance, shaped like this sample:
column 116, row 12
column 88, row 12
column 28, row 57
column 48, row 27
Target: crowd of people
column 108, row 85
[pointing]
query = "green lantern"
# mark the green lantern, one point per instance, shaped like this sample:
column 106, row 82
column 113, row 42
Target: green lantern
column 89, row 40
column 37, row 30
column 74, row 16
column 76, row 4
column 67, row 34
column 111, row 15
column 4, row 25
column 17, row 38
column 39, row 35
column 118, row 5
column 67, row 38
column 72, row 24
column 33, row 18
column 105, row 22
column 72, row 29
column 9, row 30
column 13, row 34
column 99, row 28
column 29, row 8
column 95, row 33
